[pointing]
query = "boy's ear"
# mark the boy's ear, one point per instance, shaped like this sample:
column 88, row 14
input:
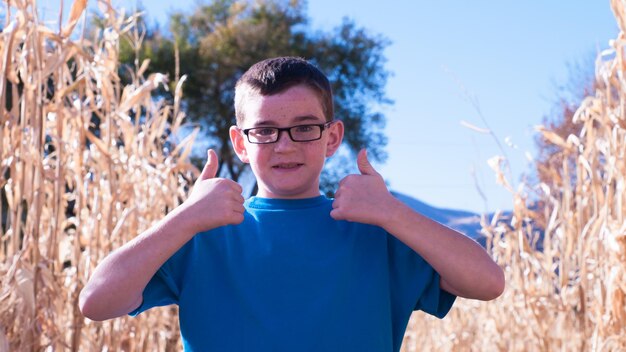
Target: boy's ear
column 237, row 139
column 335, row 137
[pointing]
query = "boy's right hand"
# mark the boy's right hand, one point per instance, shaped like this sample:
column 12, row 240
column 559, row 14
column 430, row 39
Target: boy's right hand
column 213, row 202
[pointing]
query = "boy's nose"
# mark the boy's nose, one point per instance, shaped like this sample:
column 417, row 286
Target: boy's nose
column 284, row 141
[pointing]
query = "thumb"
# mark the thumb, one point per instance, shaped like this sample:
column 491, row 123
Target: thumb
column 210, row 168
column 364, row 165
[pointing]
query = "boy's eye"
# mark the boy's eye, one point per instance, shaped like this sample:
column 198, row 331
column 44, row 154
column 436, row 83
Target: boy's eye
column 303, row 128
column 264, row 131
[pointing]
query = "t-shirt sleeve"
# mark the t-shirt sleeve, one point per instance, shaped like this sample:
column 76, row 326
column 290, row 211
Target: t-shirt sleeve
column 415, row 283
column 433, row 299
column 161, row 290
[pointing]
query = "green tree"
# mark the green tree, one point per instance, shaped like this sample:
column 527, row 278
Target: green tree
column 218, row 41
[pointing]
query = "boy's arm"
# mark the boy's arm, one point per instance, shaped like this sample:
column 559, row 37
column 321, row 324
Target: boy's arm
column 115, row 288
column 465, row 268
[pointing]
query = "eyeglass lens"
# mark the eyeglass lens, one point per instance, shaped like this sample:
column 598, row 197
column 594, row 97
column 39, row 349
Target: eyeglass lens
column 302, row 133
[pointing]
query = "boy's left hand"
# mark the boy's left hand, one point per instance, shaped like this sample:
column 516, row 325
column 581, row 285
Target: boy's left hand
column 363, row 198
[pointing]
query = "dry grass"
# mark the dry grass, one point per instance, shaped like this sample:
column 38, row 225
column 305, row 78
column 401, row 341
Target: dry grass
column 85, row 164
column 565, row 289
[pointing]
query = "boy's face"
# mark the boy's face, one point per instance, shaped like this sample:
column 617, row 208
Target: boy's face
column 286, row 169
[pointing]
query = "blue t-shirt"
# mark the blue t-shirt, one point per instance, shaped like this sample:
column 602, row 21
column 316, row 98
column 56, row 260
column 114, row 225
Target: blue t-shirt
column 290, row 277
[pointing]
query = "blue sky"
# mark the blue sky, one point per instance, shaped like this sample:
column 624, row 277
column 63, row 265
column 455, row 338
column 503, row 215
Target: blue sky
column 509, row 56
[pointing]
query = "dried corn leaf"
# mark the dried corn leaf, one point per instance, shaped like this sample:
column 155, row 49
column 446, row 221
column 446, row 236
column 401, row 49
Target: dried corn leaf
column 78, row 7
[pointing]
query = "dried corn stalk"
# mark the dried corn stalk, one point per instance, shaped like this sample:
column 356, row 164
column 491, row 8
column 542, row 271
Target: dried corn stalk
column 86, row 163
column 565, row 255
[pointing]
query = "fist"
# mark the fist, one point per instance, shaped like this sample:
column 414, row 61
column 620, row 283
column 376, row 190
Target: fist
column 213, row 202
column 362, row 198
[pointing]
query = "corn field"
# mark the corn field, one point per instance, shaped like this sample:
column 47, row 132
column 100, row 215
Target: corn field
column 564, row 261
column 87, row 162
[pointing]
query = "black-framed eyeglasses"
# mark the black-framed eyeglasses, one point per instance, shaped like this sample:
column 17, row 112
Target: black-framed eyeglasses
column 299, row 133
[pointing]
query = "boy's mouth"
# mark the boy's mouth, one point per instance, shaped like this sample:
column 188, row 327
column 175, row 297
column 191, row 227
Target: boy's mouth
column 287, row 166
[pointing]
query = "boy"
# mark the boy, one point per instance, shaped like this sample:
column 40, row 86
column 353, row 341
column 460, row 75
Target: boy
column 290, row 269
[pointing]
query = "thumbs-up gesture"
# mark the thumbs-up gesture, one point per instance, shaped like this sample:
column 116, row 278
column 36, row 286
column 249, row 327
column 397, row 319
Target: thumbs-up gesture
column 213, row 202
column 363, row 198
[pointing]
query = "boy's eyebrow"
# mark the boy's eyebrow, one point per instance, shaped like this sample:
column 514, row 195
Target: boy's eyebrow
column 303, row 118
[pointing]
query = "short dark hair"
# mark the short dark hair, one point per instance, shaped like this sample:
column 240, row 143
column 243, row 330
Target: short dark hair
column 276, row 75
